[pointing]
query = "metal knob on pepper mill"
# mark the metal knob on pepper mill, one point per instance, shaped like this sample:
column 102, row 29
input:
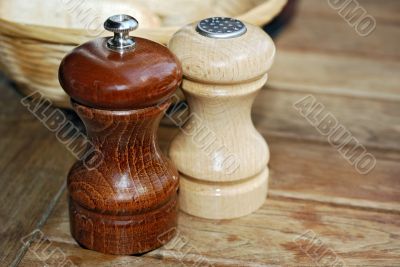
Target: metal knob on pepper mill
column 221, row 157
column 120, row 88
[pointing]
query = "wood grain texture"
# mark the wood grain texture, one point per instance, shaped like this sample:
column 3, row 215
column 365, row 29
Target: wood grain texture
column 321, row 39
column 325, row 73
column 61, row 254
column 274, row 234
column 30, row 180
column 317, row 172
column 127, row 203
column 220, row 156
column 374, row 123
column 123, row 192
column 359, row 222
column 219, row 142
column 312, row 170
column 384, row 13
column 335, row 36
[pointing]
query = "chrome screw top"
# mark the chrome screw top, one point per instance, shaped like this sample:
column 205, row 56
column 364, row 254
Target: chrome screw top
column 221, row 28
column 121, row 25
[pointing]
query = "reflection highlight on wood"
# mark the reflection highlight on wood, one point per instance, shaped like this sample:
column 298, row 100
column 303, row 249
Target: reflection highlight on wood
column 127, row 203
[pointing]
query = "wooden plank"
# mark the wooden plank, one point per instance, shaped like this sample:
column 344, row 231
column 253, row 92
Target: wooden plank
column 311, row 171
column 336, row 37
column 386, row 11
column 48, row 253
column 315, row 173
column 375, row 124
column 316, row 176
column 336, row 74
column 272, row 235
column 321, row 53
column 33, row 169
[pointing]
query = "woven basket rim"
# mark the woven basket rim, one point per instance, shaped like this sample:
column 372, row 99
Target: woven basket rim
column 66, row 36
column 30, row 53
column 76, row 36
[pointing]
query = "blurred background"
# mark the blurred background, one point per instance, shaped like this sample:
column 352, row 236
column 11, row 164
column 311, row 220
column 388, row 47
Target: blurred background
column 35, row 35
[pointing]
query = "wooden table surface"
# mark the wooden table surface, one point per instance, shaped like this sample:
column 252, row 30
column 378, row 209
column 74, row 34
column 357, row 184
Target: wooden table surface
column 320, row 211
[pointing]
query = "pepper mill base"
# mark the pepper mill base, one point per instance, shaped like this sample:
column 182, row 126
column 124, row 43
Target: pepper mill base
column 123, row 234
column 229, row 200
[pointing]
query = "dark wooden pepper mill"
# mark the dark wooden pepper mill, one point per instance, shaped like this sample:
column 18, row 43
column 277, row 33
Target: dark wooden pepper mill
column 120, row 86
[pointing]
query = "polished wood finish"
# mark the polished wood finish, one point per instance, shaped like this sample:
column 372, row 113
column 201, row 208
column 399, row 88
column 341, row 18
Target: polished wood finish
column 221, row 157
column 311, row 186
column 123, row 200
column 141, row 78
column 127, row 203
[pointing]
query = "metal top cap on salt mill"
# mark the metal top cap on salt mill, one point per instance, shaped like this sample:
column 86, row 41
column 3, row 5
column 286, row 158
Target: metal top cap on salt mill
column 221, row 28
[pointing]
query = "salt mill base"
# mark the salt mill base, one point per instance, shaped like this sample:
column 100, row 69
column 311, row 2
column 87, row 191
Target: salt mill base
column 223, row 200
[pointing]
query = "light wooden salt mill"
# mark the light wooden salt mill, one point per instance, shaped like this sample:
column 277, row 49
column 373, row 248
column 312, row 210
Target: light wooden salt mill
column 221, row 157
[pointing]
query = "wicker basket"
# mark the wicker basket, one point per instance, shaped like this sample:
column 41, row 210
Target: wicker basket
column 35, row 35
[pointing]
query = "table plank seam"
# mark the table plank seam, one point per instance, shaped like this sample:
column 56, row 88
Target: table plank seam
column 46, row 214
column 332, row 52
